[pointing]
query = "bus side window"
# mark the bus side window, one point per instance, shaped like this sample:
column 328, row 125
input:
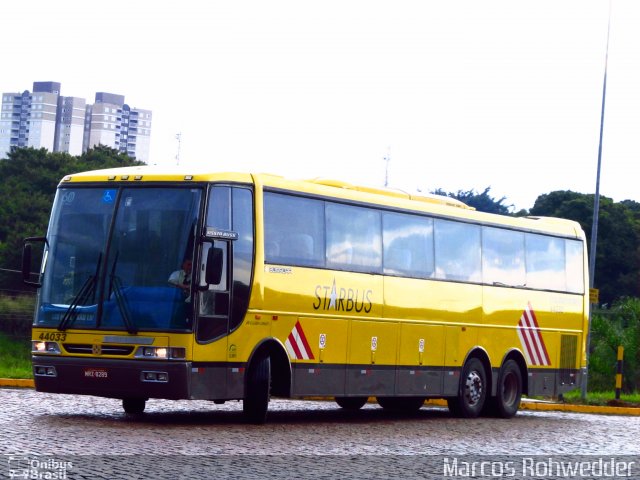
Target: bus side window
column 298, row 246
column 213, row 305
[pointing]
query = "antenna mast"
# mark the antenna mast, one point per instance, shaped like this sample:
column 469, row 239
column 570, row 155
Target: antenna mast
column 179, row 139
column 387, row 159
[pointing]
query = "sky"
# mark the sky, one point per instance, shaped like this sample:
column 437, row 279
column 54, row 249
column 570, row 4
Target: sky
column 417, row 95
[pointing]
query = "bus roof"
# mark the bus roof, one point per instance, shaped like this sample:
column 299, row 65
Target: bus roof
column 435, row 204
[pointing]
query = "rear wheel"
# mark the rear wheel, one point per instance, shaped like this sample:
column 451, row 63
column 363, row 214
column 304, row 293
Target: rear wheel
column 133, row 406
column 401, row 404
column 472, row 391
column 507, row 399
column 257, row 391
column 351, row 403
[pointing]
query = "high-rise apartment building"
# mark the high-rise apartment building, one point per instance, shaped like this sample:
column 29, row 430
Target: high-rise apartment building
column 45, row 119
column 109, row 121
column 70, row 125
column 29, row 119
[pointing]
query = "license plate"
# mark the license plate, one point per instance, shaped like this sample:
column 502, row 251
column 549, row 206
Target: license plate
column 96, row 373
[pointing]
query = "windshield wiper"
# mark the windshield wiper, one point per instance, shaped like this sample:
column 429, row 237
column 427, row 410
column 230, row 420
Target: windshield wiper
column 70, row 315
column 115, row 285
column 88, row 288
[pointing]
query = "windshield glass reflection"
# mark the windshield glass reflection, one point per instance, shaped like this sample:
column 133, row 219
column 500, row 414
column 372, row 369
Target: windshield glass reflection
column 122, row 283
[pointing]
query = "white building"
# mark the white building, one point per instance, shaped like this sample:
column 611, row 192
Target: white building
column 109, row 121
column 29, row 119
column 44, row 119
column 70, row 125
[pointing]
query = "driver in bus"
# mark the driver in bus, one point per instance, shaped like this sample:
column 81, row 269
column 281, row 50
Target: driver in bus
column 182, row 279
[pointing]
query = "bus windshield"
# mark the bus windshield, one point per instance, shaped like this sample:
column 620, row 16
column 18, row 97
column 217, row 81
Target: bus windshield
column 110, row 254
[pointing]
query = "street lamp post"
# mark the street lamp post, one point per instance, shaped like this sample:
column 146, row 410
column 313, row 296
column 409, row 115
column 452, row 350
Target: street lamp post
column 596, row 208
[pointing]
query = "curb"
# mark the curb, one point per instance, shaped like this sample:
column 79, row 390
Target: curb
column 561, row 407
column 16, row 382
column 525, row 405
column 567, row 407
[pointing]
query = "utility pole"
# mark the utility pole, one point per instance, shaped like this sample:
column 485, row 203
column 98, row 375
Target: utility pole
column 596, row 210
column 179, row 139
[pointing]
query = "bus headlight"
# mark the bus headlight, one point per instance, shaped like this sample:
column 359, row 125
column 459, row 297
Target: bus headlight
column 38, row 346
column 162, row 353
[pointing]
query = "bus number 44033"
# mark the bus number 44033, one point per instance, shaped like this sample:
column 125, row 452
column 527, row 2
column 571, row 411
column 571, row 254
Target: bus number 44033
column 53, row 336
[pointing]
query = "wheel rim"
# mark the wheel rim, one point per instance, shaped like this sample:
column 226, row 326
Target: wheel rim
column 473, row 388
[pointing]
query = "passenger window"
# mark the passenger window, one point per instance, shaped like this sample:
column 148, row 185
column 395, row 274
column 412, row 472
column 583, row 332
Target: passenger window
column 457, row 251
column 575, row 266
column 293, row 230
column 408, row 245
column 503, row 260
column 354, row 240
column 545, row 262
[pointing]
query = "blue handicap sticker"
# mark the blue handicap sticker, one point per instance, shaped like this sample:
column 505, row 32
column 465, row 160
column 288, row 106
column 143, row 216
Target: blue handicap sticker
column 109, row 196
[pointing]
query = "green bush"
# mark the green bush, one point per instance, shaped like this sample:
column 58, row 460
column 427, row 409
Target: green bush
column 16, row 314
column 618, row 325
column 15, row 357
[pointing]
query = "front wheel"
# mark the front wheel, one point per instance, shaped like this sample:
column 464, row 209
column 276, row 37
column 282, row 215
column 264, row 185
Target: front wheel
column 133, row 406
column 472, row 391
column 257, row 391
column 351, row 403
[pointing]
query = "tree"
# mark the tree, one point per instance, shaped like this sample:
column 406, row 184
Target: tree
column 483, row 202
column 618, row 251
column 617, row 326
column 29, row 180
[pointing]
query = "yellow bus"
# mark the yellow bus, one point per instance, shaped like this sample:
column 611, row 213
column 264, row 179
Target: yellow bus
column 235, row 286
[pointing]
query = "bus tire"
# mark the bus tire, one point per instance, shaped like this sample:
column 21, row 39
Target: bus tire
column 507, row 399
column 133, row 406
column 472, row 391
column 401, row 404
column 258, row 390
column 351, row 403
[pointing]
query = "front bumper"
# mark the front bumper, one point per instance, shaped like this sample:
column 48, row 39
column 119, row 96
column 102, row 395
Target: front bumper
column 112, row 378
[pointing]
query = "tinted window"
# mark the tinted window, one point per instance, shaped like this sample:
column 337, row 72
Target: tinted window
column 457, row 249
column 408, row 245
column 575, row 266
column 242, row 254
column 219, row 211
column 545, row 262
column 354, row 240
column 503, row 257
column 293, row 230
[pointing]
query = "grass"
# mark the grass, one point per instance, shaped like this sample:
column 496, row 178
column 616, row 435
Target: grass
column 15, row 357
column 603, row 398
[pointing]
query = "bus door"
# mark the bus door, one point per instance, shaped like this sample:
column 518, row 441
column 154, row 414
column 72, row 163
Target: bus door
column 222, row 296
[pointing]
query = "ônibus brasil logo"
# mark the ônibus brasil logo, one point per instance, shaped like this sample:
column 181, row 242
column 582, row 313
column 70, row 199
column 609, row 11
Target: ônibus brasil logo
column 330, row 297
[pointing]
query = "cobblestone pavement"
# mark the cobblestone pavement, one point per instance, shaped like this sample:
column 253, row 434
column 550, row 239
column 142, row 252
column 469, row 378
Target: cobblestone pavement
column 302, row 439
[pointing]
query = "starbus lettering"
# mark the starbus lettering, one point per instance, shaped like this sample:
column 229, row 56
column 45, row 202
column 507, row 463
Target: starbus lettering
column 330, row 297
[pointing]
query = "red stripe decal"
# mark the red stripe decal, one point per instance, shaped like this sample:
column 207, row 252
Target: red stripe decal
column 303, row 338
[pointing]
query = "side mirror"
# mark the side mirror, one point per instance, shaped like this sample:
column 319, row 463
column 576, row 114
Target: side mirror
column 215, row 258
column 26, row 260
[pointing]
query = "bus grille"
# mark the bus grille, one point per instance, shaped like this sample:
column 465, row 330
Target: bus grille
column 88, row 349
column 568, row 350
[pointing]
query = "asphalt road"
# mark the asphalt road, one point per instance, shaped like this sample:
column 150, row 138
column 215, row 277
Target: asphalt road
column 63, row 436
